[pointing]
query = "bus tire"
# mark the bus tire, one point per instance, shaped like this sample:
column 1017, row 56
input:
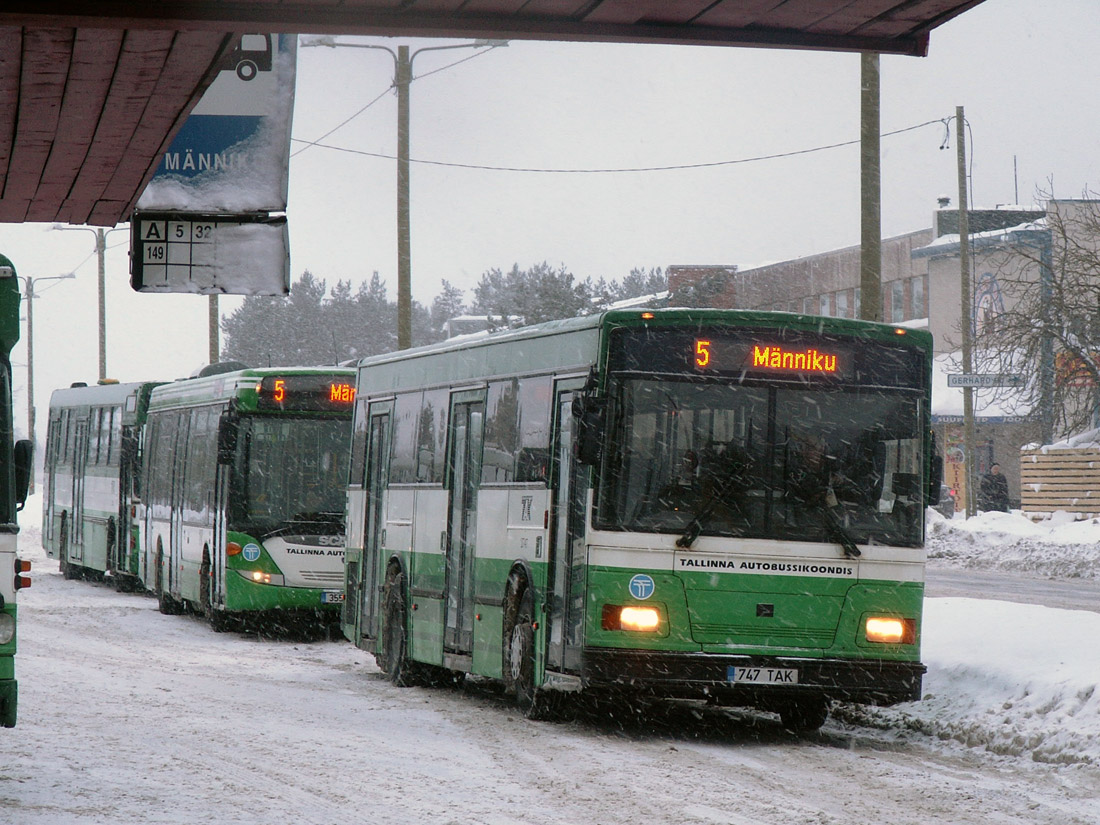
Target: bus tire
column 204, row 582
column 392, row 656
column 165, row 603
column 804, row 715
column 520, row 666
column 68, row 571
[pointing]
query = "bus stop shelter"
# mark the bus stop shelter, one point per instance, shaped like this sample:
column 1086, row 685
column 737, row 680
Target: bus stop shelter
column 91, row 94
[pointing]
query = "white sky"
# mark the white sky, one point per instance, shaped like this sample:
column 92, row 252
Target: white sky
column 1025, row 72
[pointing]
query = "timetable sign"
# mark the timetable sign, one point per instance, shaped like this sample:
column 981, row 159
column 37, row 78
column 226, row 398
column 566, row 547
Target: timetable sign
column 209, row 254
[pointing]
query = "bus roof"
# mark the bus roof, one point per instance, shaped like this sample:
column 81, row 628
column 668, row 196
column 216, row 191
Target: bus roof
column 578, row 339
column 240, row 384
column 97, row 395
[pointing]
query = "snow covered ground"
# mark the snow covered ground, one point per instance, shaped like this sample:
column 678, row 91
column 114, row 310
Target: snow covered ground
column 128, row 716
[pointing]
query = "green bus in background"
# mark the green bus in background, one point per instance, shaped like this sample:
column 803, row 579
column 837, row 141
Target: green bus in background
column 707, row 504
column 242, row 507
column 15, row 473
column 92, row 475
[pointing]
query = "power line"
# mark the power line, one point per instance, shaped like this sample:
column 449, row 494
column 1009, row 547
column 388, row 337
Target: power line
column 622, row 170
column 384, row 92
column 311, row 143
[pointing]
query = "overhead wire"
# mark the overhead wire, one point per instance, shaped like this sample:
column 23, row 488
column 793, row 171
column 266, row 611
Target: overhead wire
column 382, row 94
column 619, row 170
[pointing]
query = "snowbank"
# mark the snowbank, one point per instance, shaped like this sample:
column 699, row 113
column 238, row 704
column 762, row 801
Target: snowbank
column 1012, row 679
column 1058, row 547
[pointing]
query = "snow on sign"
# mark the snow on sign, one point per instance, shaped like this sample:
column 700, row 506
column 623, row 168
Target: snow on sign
column 985, row 380
column 209, row 254
column 231, row 153
column 226, row 166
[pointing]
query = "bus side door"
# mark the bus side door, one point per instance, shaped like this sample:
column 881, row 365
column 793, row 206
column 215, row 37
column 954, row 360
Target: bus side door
column 75, row 550
column 175, row 515
column 464, row 456
column 372, row 569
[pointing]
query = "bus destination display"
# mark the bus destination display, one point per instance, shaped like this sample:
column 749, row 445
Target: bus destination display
column 304, row 392
column 718, row 355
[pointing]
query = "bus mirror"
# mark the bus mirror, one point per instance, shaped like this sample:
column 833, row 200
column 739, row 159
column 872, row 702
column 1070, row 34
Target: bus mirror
column 588, row 416
column 24, row 463
column 935, row 474
column 227, row 439
column 935, row 479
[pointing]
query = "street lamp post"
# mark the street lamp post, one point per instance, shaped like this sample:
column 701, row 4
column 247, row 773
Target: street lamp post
column 101, row 254
column 29, row 295
column 403, row 77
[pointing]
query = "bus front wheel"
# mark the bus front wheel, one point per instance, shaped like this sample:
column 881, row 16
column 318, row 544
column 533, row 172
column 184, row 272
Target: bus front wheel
column 519, row 666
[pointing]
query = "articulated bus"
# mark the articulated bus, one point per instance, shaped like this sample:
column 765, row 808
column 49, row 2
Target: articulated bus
column 15, row 474
column 243, row 508
column 706, row 504
column 93, row 480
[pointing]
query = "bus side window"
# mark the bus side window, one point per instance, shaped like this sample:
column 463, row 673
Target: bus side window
column 533, row 458
column 358, row 444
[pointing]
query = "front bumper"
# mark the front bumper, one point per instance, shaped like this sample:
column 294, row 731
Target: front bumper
column 705, row 675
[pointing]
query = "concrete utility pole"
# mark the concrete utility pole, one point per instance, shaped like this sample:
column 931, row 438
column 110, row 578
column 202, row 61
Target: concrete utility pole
column 966, row 318
column 213, row 355
column 101, row 255
column 402, row 80
column 29, row 295
column 870, row 254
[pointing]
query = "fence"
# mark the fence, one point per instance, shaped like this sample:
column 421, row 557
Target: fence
column 1060, row 479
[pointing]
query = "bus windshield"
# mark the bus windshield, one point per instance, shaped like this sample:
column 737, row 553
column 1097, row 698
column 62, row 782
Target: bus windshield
column 714, row 457
column 289, row 471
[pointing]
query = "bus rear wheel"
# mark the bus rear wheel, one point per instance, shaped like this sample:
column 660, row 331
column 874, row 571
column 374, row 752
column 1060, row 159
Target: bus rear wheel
column 392, row 656
column 165, row 603
column 68, row 571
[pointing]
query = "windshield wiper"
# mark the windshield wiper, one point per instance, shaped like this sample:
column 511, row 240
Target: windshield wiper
column 695, row 526
column 838, row 533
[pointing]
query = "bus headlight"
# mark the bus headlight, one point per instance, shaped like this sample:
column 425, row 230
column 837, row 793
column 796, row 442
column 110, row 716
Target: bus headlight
column 890, row 630
column 7, row 628
column 630, row 617
column 260, row 577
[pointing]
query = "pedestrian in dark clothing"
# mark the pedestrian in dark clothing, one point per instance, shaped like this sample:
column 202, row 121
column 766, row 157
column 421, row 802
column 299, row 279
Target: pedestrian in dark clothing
column 994, row 490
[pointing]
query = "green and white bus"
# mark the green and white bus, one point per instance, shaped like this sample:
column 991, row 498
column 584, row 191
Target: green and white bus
column 92, row 480
column 15, row 473
column 686, row 503
column 243, row 510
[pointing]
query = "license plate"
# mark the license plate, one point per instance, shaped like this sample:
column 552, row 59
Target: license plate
column 762, row 675
column 332, row 596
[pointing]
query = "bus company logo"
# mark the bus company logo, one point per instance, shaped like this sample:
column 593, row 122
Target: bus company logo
column 251, row 552
column 642, row 586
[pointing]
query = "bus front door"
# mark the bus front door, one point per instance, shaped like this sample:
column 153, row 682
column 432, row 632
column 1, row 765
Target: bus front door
column 374, row 533
column 567, row 557
column 467, row 423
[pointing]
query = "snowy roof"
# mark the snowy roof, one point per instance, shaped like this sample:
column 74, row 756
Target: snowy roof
column 949, row 244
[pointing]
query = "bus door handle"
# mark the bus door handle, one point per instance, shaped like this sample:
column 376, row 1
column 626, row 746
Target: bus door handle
column 443, row 542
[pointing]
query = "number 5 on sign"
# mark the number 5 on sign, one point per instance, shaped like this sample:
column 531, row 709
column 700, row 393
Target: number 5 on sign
column 702, row 353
